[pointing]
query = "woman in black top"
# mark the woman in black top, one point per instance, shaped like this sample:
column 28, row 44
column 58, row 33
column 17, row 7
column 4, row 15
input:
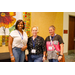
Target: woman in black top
column 36, row 47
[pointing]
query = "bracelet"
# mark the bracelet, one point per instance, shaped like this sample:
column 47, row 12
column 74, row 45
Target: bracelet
column 60, row 55
column 11, row 56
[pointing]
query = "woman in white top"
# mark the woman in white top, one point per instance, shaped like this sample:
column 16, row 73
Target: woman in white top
column 18, row 42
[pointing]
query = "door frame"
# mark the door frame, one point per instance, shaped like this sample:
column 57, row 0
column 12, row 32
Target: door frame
column 66, row 27
column 72, row 17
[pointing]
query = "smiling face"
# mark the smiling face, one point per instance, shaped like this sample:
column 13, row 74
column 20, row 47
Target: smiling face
column 34, row 31
column 51, row 31
column 20, row 26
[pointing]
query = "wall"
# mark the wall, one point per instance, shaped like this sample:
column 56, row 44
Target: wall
column 44, row 19
column 19, row 15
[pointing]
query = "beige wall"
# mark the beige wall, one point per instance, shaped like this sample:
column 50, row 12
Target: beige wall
column 44, row 19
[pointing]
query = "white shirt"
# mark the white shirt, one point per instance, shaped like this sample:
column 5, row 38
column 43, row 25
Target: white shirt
column 17, row 40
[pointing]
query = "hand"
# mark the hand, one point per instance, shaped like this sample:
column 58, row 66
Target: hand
column 12, row 59
column 23, row 48
column 59, row 58
column 44, row 59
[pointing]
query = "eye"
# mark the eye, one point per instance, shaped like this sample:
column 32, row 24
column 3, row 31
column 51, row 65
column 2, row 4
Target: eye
column 21, row 24
column 18, row 24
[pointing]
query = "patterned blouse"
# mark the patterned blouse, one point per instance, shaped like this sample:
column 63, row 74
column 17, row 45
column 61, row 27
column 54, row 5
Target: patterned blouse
column 53, row 54
column 39, row 45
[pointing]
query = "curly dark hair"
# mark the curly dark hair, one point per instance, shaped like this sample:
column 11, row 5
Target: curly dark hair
column 18, row 21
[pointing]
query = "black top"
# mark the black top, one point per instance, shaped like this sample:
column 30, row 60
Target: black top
column 39, row 45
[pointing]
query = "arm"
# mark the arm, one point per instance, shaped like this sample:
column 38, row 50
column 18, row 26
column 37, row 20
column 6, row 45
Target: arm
column 10, row 48
column 61, row 45
column 62, row 48
column 44, row 53
column 61, row 51
column 44, row 49
column 10, row 45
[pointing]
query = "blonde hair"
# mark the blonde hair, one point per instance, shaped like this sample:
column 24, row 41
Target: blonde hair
column 52, row 26
column 34, row 27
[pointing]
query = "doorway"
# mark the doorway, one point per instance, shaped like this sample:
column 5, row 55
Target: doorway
column 71, row 44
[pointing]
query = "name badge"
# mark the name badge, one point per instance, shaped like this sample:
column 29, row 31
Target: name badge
column 33, row 51
column 50, row 48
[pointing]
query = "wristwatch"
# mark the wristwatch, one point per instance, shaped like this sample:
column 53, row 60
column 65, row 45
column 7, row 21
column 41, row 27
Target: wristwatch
column 11, row 56
column 60, row 55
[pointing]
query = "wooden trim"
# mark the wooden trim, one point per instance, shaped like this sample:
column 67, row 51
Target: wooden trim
column 4, row 56
column 65, row 54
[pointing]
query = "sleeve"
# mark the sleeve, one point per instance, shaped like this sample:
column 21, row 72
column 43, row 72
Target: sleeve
column 45, row 41
column 43, row 45
column 60, row 40
column 12, row 34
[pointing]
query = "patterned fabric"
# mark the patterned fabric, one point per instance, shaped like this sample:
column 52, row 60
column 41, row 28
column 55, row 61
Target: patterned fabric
column 39, row 45
column 0, row 40
column 27, row 21
column 6, row 19
column 52, row 55
column 7, row 22
column 6, row 40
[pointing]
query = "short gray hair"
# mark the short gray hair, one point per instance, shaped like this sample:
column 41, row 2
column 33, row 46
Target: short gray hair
column 52, row 26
